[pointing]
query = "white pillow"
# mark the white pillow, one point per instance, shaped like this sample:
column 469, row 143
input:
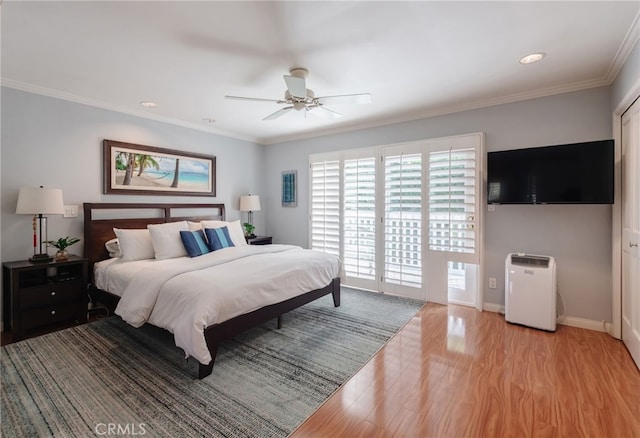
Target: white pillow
column 235, row 230
column 194, row 226
column 166, row 240
column 113, row 247
column 134, row 244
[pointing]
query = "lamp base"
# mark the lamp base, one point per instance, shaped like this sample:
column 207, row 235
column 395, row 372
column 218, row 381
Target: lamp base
column 41, row 258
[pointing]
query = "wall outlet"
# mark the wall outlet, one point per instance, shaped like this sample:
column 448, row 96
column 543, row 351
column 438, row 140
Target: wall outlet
column 492, row 283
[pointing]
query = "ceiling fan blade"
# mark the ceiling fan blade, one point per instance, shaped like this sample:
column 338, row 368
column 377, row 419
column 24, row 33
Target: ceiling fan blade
column 346, row 98
column 297, row 86
column 280, row 112
column 325, row 113
column 254, row 99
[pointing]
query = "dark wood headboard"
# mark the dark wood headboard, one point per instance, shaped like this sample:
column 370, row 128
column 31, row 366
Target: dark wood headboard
column 101, row 218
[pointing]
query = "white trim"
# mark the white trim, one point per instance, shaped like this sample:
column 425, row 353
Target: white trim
column 482, row 183
column 492, row 307
column 616, row 213
column 433, row 112
column 589, row 324
column 625, row 49
column 616, row 233
column 571, row 321
column 451, row 109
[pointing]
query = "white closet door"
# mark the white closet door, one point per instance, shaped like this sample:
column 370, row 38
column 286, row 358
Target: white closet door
column 631, row 230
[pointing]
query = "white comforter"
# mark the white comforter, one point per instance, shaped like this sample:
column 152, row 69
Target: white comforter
column 186, row 295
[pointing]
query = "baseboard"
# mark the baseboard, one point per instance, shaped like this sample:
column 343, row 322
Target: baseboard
column 491, row 307
column 572, row 321
column 589, row 324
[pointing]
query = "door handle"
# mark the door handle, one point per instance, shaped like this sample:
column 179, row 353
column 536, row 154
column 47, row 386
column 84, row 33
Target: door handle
column 633, row 245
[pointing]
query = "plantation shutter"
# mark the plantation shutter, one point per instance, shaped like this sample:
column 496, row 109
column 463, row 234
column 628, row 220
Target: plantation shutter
column 359, row 220
column 453, row 198
column 393, row 212
column 403, row 219
column 325, row 206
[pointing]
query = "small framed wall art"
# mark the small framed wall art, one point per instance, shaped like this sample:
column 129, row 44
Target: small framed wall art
column 289, row 188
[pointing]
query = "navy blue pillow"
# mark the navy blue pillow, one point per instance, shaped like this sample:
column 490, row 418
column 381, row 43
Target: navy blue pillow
column 218, row 238
column 194, row 242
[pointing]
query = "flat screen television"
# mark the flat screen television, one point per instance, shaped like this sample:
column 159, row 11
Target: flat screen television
column 579, row 173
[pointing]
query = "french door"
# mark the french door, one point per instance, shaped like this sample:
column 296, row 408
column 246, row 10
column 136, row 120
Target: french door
column 402, row 216
column 455, row 216
column 631, row 230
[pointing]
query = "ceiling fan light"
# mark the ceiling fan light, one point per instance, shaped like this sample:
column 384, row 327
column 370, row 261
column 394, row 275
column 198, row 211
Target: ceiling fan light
column 298, row 106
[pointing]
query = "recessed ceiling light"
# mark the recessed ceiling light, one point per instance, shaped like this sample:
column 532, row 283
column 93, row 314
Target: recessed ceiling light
column 148, row 104
column 534, row 57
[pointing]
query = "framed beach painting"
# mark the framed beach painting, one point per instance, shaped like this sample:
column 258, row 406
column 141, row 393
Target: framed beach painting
column 132, row 169
column 289, row 195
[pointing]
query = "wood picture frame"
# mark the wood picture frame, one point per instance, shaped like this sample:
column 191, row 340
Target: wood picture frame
column 133, row 169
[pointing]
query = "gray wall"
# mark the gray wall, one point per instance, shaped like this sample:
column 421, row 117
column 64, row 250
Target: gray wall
column 578, row 236
column 55, row 143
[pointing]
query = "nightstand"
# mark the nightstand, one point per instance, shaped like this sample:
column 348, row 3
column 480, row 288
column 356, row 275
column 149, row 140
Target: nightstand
column 39, row 298
column 260, row 240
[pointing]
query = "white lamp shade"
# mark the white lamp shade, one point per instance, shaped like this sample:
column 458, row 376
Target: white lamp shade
column 250, row 203
column 40, row 200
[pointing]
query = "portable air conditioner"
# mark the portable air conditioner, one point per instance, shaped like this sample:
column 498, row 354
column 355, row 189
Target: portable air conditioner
column 530, row 291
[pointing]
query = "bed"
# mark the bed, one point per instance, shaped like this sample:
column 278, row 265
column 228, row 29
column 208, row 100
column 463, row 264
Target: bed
column 100, row 219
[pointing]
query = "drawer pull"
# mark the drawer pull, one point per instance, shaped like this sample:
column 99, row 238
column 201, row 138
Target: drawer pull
column 53, row 294
column 53, row 312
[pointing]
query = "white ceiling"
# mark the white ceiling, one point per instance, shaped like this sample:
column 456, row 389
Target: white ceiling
column 415, row 58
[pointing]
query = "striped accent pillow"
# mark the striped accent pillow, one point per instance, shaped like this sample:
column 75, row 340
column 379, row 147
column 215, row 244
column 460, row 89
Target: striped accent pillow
column 218, row 238
column 194, row 242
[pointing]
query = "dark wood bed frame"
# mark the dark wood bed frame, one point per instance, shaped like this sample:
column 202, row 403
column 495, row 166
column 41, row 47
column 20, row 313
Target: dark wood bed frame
column 97, row 230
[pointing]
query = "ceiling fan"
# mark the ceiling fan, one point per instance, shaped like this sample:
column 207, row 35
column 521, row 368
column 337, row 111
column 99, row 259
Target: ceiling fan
column 298, row 97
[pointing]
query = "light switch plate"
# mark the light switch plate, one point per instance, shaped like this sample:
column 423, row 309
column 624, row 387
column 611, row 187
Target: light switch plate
column 70, row 211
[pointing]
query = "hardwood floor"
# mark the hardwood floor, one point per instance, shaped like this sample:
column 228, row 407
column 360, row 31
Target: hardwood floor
column 456, row 372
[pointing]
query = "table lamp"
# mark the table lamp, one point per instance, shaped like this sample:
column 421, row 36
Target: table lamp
column 40, row 201
column 250, row 203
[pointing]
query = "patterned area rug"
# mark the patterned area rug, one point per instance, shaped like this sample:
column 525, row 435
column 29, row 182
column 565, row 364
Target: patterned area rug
column 107, row 378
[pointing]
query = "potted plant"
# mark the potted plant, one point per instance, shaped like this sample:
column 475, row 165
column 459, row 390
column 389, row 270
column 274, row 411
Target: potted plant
column 248, row 230
column 62, row 244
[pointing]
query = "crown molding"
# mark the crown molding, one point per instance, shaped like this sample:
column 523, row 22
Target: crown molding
column 44, row 91
column 630, row 40
column 432, row 112
column 444, row 110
